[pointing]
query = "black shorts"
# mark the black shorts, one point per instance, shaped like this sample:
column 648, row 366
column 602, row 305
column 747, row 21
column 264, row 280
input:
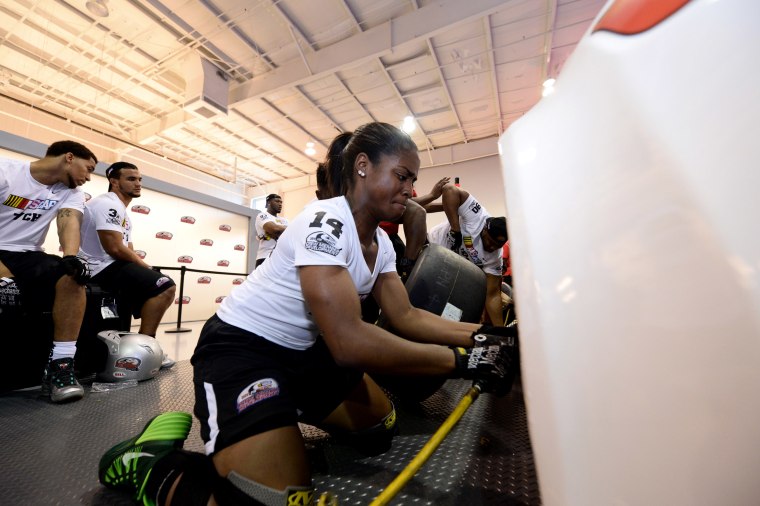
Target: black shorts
column 246, row 385
column 133, row 284
column 35, row 274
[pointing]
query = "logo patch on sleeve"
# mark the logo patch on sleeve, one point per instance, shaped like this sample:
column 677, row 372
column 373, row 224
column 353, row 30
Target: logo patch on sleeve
column 322, row 242
column 257, row 391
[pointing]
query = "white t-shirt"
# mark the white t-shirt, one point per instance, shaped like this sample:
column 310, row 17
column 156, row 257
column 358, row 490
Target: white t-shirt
column 266, row 243
column 472, row 219
column 28, row 206
column 270, row 302
column 104, row 212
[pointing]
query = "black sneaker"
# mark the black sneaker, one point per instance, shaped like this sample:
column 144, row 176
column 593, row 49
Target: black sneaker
column 60, row 382
column 127, row 465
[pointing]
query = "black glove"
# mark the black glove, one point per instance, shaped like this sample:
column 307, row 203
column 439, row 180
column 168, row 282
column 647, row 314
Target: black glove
column 455, row 240
column 487, row 334
column 75, row 268
column 493, row 365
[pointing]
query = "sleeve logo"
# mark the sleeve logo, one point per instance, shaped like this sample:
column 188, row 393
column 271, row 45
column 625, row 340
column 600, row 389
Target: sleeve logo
column 322, row 242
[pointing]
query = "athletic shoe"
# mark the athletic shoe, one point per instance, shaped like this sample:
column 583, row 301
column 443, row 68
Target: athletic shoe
column 127, row 465
column 60, row 382
column 167, row 363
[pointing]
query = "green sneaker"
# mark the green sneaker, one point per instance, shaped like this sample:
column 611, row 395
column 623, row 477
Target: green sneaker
column 127, row 465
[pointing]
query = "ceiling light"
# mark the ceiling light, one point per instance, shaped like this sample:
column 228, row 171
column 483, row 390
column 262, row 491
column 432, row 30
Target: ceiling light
column 310, row 149
column 98, row 8
column 408, row 125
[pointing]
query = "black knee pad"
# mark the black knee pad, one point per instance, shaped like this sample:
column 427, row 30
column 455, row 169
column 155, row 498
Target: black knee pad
column 376, row 439
column 198, row 478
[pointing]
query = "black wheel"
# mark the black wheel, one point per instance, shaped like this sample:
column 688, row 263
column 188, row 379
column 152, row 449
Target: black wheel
column 445, row 284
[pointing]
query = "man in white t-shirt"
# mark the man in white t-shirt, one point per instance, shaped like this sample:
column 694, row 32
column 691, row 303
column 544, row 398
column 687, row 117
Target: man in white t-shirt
column 32, row 194
column 269, row 226
column 107, row 246
column 478, row 237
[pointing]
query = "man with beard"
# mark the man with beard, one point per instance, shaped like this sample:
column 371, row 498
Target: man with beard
column 107, row 246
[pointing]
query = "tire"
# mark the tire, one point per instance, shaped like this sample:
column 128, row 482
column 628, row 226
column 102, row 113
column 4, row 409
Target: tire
column 445, row 284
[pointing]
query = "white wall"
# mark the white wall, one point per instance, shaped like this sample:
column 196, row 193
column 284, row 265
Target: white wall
column 166, row 213
column 481, row 177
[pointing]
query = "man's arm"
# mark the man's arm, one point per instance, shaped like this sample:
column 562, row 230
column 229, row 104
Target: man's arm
column 434, row 193
column 493, row 300
column 113, row 244
column 453, row 197
column 273, row 230
column 69, row 222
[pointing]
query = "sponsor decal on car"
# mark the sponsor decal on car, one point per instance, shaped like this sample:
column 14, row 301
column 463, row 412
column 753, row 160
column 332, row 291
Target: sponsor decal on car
column 141, row 209
column 225, row 228
column 240, row 247
column 322, row 242
column 256, row 392
column 238, row 281
column 140, row 253
column 187, row 219
column 207, row 242
column 185, row 300
column 204, row 280
column 223, row 263
column 185, row 259
column 220, row 299
column 164, row 235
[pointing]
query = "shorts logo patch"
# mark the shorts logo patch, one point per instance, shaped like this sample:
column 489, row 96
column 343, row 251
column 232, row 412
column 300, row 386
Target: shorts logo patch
column 160, row 281
column 322, row 242
column 257, row 391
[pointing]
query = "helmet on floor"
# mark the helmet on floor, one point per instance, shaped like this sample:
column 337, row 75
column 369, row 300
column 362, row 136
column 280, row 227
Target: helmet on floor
column 130, row 356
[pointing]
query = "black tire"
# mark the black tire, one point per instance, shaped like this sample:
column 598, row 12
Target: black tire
column 441, row 282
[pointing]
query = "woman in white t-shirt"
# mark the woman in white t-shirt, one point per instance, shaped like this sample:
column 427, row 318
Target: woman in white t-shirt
column 289, row 345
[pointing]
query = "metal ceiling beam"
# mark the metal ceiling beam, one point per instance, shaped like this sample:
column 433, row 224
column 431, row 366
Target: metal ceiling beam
column 377, row 41
column 494, row 77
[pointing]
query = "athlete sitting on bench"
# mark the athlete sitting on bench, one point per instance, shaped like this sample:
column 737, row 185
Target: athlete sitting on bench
column 32, row 195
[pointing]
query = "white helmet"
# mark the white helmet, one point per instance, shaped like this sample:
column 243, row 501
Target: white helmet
column 130, row 356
